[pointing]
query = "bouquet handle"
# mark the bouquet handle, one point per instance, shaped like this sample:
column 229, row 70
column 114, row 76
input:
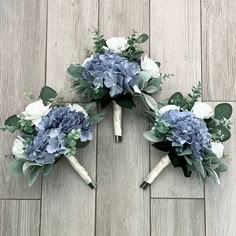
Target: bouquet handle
column 161, row 165
column 117, row 122
column 81, row 171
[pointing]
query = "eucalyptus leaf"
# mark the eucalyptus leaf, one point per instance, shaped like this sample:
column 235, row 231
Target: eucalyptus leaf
column 150, row 101
column 47, row 94
column 75, row 71
column 12, row 121
column 223, row 110
column 221, row 133
column 176, row 99
column 16, row 167
column 142, row 38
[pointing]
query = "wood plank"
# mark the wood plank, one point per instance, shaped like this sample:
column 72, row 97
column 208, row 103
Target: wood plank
column 70, row 26
column 175, row 42
column 218, row 49
column 178, row 217
column 19, row 217
column 69, row 23
column 220, row 199
column 122, row 207
column 22, row 69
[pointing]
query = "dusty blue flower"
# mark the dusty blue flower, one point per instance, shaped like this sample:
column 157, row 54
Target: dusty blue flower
column 187, row 129
column 112, row 71
column 49, row 143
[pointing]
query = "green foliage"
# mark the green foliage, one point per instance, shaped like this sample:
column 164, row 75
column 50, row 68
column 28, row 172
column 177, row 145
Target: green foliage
column 151, row 136
column 16, row 167
column 12, row 121
column 76, row 71
column 125, row 101
column 150, row 101
column 223, row 110
column 34, row 174
column 96, row 118
column 220, row 133
column 99, row 41
column 47, row 94
column 91, row 108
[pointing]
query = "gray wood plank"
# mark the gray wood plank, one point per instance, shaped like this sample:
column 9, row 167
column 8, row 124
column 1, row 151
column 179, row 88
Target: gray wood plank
column 22, row 69
column 220, row 199
column 19, row 217
column 218, row 49
column 175, row 42
column 122, row 207
column 177, row 217
column 67, row 201
column 70, row 26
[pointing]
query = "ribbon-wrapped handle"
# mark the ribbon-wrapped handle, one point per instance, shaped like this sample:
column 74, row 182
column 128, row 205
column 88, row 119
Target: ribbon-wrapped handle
column 117, row 122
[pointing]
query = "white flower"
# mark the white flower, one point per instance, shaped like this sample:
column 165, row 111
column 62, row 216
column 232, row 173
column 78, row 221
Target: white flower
column 78, row 108
column 218, row 149
column 87, row 60
column 202, row 110
column 18, row 148
column 35, row 111
column 148, row 64
column 168, row 108
column 117, row 44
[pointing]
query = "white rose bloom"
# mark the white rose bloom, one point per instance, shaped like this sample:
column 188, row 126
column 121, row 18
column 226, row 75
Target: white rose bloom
column 117, row 44
column 87, row 60
column 35, row 111
column 218, row 149
column 147, row 64
column 18, row 148
column 77, row 108
column 168, row 108
column 202, row 110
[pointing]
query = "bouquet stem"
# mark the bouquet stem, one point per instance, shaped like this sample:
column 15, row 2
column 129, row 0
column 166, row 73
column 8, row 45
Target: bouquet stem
column 81, row 171
column 161, row 165
column 117, row 122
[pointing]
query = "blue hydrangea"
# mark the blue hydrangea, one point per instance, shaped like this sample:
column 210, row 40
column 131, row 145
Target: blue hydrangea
column 52, row 130
column 187, row 129
column 112, row 71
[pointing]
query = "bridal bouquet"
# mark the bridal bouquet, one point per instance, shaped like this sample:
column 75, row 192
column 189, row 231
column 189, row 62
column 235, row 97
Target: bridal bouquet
column 48, row 131
column 192, row 134
column 116, row 72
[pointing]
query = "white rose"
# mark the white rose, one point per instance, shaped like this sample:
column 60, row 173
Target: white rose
column 87, row 60
column 218, row 149
column 117, row 44
column 168, row 108
column 202, row 110
column 35, row 111
column 18, row 148
column 147, row 64
column 78, row 108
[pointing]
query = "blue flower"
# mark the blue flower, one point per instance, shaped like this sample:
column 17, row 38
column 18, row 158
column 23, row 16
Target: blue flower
column 187, row 129
column 112, row 71
column 49, row 144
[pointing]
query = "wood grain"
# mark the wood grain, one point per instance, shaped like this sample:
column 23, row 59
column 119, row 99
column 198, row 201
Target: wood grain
column 70, row 26
column 19, row 217
column 177, row 217
column 175, row 42
column 122, row 207
column 219, row 49
column 220, row 199
column 22, row 69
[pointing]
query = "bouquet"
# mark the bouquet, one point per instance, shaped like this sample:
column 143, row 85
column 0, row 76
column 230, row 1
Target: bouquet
column 192, row 134
column 116, row 72
column 48, row 131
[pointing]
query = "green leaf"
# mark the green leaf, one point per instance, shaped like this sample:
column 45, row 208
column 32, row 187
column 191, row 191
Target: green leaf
column 150, row 137
column 142, row 38
column 156, row 82
column 16, row 167
column 47, row 94
column 96, row 119
column 150, row 89
column 223, row 110
column 221, row 168
column 144, row 76
column 90, row 107
column 12, row 121
column 80, row 144
column 28, row 166
column 34, row 174
column 176, row 99
column 136, row 55
column 125, row 101
column 187, row 151
column 150, row 101
column 221, row 132
column 75, row 71
column 47, row 169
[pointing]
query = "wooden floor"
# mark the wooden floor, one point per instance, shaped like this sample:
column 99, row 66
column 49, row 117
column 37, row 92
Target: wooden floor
column 195, row 40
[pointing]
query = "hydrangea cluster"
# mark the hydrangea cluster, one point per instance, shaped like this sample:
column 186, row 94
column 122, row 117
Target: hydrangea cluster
column 112, row 71
column 186, row 128
column 52, row 130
